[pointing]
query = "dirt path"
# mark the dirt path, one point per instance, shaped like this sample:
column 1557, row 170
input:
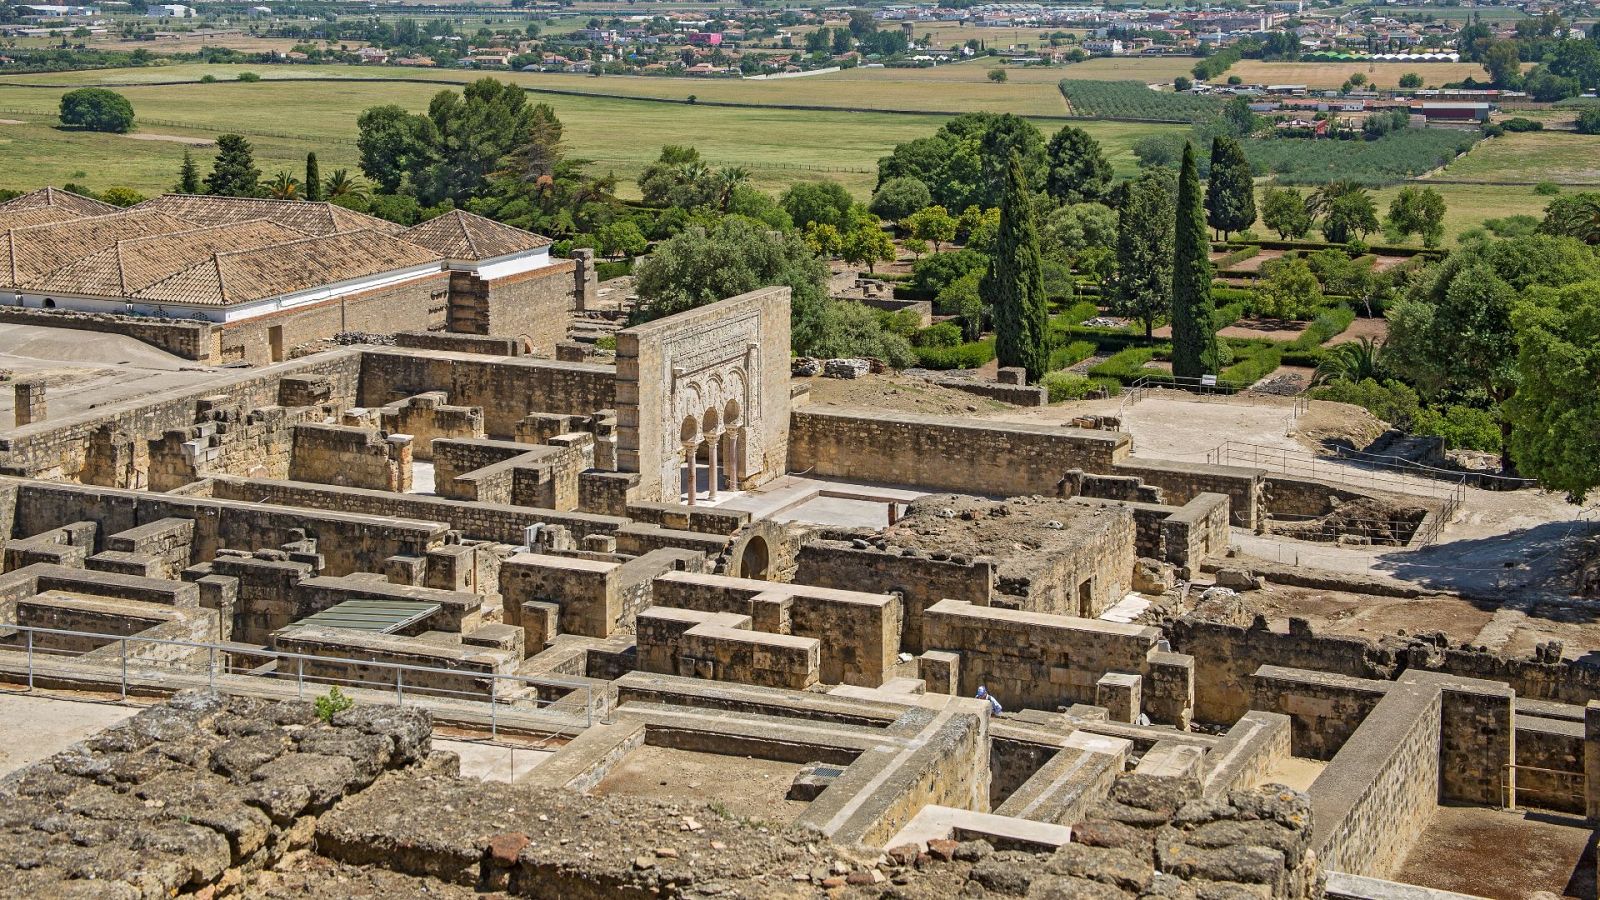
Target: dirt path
column 1377, row 329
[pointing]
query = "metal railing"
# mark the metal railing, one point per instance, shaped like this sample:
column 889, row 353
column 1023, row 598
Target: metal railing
column 32, row 653
column 1134, row 391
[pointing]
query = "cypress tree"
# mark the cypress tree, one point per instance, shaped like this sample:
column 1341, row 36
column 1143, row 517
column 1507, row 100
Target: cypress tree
column 1231, row 193
column 1014, row 282
column 188, row 175
column 234, row 174
column 1194, row 339
column 313, row 185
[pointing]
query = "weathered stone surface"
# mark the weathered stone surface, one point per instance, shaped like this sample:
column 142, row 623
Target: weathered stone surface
column 1110, row 865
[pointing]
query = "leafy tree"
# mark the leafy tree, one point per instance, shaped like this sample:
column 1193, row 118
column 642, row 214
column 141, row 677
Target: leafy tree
column 453, row 151
column 621, row 239
column 1070, row 231
column 1410, row 81
column 1553, row 416
column 997, row 75
column 961, row 297
column 538, row 187
column 866, row 244
column 97, row 109
column 1194, row 339
column 982, row 227
column 394, row 144
column 1417, row 210
column 1588, row 121
column 1240, row 119
column 898, row 198
column 933, row 224
column 1503, row 62
column 1145, row 219
column 234, row 172
column 931, row 274
column 753, row 204
column 1079, row 171
column 1231, row 192
column 1474, row 39
column 122, row 196
column 824, row 239
column 284, row 186
column 964, row 162
column 702, row 265
column 313, row 184
column 663, row 181
column 823, row 202
column 1182, row 83
column 1288, row 289
column 1575, row 215
column 1014, row 284
column 1284, row 211
column 188, row 176
column 1350, row 216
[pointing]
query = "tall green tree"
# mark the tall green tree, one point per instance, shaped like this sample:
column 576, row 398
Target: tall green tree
column 1194, row 337
column 1231, row 193
column 1014, row 284
column 234, row 173
column 188, row 175
column 96, row 109
column 1555, row 414
column 312, row 189
column 1142, row 287
column 1284, row 211
column 1079, row 171
column 1417, row 210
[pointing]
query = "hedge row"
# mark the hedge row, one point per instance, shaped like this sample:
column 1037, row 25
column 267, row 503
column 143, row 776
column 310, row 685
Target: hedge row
column 970, row 355
column 1072, row 354
column 1125, row 365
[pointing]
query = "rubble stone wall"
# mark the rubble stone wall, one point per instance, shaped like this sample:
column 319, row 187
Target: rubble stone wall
column 350, row 457
column 187, row 338
column 507, row 389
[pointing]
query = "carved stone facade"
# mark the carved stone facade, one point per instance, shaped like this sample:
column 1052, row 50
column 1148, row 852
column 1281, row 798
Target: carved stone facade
column 703, row 398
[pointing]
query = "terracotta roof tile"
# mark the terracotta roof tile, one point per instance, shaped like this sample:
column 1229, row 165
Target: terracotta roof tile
column 28, row 253
column 244, row 276
column 130, row 265
column 55, row 198
column 311, row 218
column 465, row 236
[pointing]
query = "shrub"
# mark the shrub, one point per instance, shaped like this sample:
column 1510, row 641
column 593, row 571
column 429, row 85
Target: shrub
column 970, row 355
column 1067, row 386
column 249, row 77
column 332, row 703
column 1547, row 189
column 1236, row 257
column 1071, row 354
column 1520, row 124
column 1588, row 121
column 208, row 79
column 1076, row 314
column 1326, row 327
column 1390, row 401
column 1257, row 362
column 1464, row 427
column 1521, row 225
column 944, row 334
column 97, row 109
column 932, row 273
column 1124, row 365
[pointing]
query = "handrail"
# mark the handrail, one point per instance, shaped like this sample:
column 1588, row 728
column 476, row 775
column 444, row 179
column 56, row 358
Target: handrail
column 274, row 669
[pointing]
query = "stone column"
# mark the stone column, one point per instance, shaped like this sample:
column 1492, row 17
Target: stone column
column 689, row 451
column 714, row 443
column 29, row 402
column 586, row 281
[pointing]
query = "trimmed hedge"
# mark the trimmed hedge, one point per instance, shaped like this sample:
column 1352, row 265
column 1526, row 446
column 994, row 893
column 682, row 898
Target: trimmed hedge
column 1067, row 386
column 970, row 355
column 1253, row 364
column 1071, row 354
column 1125, row 365
column 1326, row 327
column 1236, row 257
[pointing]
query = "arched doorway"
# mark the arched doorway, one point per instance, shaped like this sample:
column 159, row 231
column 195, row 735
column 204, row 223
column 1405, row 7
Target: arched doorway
column 755, row 560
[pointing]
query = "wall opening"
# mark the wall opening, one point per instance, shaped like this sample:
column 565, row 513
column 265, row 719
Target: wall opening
column 755, row 559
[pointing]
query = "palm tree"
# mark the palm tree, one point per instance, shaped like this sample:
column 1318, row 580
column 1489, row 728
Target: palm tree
column 727, row 180
column 342, row 184
column 1321, row 199
column 1576, row 216
column 284, row 186
column 1354, row 361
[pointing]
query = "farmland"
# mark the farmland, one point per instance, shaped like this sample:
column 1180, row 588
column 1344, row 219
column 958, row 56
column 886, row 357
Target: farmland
column 1530, row 157
column 1133, row 100
column 284, row 119
column 1392, row 158
column 1330, row 75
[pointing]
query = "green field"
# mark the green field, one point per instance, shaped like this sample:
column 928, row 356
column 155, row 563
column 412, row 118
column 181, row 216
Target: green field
column 285, row 119
column 1529, row 157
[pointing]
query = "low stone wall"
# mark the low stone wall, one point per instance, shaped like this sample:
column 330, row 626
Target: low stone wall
column 507, row 389
column 1550, row 764
column 1181, row 482
column 451, row 342
column 1325, row 708
column 186, row 338
column 920, row 581
column 351, row 457
column 1372, row 802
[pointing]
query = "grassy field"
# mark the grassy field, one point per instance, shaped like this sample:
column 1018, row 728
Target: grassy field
column 1466, row 206
column 286, row 119
column 1530, row 157
column 1332, row 74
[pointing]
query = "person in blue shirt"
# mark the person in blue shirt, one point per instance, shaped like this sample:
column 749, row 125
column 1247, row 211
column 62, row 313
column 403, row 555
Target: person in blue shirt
column 994, row 705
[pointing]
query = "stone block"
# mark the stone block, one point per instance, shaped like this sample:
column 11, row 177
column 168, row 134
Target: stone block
column 1119, row 693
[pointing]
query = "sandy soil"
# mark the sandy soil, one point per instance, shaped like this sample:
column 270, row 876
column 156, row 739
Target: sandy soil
column 173, row 138
column 742, row 787
column 1377, row 329
column 42, row 725
column 1502, row 855
column 900, row 393
column 1362, row 615
column 1271, row 329
column 12, row 122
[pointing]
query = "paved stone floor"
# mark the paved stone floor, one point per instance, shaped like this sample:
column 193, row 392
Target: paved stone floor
column 1503, row 855
column 34, row 726
column 494, row 762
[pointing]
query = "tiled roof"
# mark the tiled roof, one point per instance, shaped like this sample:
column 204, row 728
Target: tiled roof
column 464, row 236
column 28, row 253
column 49, row 197
column 310, row 218
column 24, row 217
column 130, row 265
column 243, row 276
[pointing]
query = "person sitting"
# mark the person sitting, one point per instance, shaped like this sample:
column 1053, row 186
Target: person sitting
column 994, row 705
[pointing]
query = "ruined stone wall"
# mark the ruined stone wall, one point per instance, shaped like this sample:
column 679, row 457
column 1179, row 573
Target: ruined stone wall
column 428, row 416
column 921, row 581
column 348, row 543
column 59, row 449
column 450, row 342
column 1196, row 532
column 1289, row 496
column 1181, row 482
column 947, row 453
column 1550, row 763
column 258, row 443
column 1372, row 802
column 351, row 457
column 454, row 457
column 415, row 305
column 507, row 389
column 532, row 307
column 1324, row 709
column 484, row 521
column 1034, row 660
column 186, row 338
